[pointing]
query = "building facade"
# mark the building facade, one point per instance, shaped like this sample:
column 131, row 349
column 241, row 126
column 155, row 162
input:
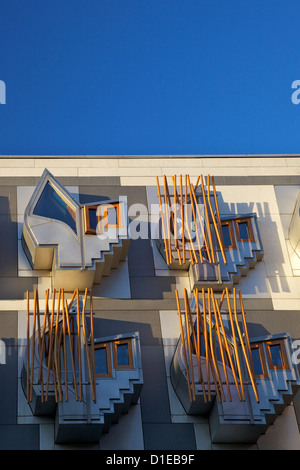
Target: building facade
column 190, row 333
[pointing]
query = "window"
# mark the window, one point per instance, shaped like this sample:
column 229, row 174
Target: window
column 106, row 215
column 276, row 355
column 102, row 360
column 228, row 234
column 52, row 205
column 90, row 219
column 258, row 360
column 243, row 228
column 111, row 216
column 122, row 354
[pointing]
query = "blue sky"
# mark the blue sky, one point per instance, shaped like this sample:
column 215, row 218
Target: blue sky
column 144, row 77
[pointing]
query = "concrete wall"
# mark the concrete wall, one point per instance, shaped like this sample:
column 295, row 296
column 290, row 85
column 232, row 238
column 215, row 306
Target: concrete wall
column 139, row 296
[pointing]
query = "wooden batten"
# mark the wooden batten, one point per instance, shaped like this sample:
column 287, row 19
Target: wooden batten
column 51, row 342
column 233, row 344
column 208, row 235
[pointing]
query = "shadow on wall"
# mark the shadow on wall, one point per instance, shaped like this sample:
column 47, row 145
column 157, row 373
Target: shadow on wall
column 11, row 287
column 273, row 255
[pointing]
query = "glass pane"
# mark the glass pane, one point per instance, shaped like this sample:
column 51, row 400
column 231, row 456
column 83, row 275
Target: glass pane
column 258, row 370
column 122, row 354
column 51, row 205
column 243, row 228
column 101, row 361
column 93, row 218
column 226, row 235
column 111, row 217
column 276, row 355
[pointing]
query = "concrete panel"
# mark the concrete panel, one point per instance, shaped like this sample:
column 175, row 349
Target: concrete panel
column 169, row 436
column 151, row 287
column 127, row 434
column 19, row 437
column 283, row 434
column 154, row 396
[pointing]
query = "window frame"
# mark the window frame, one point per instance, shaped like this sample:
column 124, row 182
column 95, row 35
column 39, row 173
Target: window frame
column 102, row 219
column 106, row 346
column 231, row 233
column 115, row 344
column 87, row 228
column 262, row 355
column 248, row 221
column 285, row 362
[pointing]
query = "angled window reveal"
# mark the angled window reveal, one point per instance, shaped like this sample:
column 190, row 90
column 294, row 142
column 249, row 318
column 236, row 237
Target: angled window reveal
column 53, row 206
column 122, row 354
column 244, row 231
column 276, row 355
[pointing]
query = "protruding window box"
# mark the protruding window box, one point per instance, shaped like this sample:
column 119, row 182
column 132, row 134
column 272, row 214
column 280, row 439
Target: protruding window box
column 83, row 382
column 60, row 235
column 236, row 421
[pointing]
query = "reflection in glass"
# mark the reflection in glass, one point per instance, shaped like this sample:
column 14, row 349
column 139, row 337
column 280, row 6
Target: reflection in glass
column 51, row 205
column 275, row 351
column 243, row 229
column 101, row 367
column 122, row 354
column 258, row 370
column 226, row 235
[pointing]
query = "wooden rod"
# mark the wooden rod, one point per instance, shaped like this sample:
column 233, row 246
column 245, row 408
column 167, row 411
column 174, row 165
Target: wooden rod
column 79, row 345
column 92, row 344
column 196, row 295
column 184, row 347
column 50, row 343
column 207, row 220
column 175, row 220
column 220, row 241
column 43, row 344
column 40, row 346
column 64, row 346
column 197, row 182
column 191, row 243
column 206, row 344
column 235, row 345
column 227, row 349
column 182, row 219
column 201, row 223
column 188, row 334
column 33, row 345
column 28, row 349
column 167, row 216
column 196, row 225
column 86, row 346
column 250, row 371
column 56, row 350
column 168, row 261
column 218, row 383
column 246, row 332
column 220, row 340
column 218, row 215
column 71, row 344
